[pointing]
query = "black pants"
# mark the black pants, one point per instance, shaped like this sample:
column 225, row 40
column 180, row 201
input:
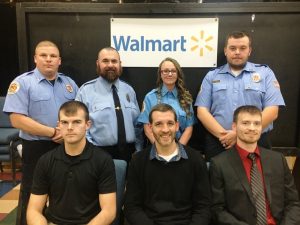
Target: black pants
column 31, row 152
column 120, row 152
column 212, row 145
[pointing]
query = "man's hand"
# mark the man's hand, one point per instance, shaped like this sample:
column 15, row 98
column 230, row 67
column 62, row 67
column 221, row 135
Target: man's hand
column 228, row 139
column 57, row 136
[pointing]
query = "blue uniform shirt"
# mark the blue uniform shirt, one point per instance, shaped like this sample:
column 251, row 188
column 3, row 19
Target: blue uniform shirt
column 32, row 95
column 171, row 98
column 221, row 92
column 98, row 97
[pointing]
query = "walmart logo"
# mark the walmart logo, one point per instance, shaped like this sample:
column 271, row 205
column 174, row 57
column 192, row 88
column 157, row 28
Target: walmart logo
column 201, row 43
column 143, row 44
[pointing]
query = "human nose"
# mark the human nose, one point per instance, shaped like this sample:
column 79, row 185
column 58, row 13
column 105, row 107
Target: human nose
column 237, row 51
column 70, row 126
column 165, row 128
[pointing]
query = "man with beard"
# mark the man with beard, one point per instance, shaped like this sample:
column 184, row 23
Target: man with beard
column 250, row 184
column 167, row 182
column 113, row 108
column 234, row 84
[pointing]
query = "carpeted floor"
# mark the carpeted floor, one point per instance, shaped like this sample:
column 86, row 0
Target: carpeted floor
column 9, row 195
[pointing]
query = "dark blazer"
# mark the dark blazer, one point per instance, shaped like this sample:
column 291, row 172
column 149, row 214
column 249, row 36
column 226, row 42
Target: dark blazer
column 232, row 197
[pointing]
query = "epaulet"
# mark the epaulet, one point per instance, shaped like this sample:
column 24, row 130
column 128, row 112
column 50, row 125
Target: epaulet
column 27, row 73
column 216, row 68
column 261, row 65
column 89, row 82
column 61, row 74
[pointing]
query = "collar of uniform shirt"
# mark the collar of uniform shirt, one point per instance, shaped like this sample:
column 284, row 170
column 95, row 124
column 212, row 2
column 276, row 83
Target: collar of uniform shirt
column 164, row 91
column 226, row 69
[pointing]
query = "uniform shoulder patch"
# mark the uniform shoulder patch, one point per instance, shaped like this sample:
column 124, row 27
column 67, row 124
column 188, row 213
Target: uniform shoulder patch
column 13, row 88
column 69, row 88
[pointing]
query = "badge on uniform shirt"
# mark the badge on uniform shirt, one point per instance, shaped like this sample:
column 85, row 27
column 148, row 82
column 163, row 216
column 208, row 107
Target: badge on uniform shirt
column 69, row 88
column 256, row 77
column 13, row 88
column 276, row 84
column 127, row 97
column 216, row 81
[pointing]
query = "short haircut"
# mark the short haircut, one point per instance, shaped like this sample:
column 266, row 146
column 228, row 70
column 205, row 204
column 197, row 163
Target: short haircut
column 251, row 109
column 236, row 35
column 162, row 107
column 70, row 108
column 109, row 49
column 46, row 43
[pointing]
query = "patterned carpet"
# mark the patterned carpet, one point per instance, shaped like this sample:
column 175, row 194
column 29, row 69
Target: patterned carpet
column 9, row 195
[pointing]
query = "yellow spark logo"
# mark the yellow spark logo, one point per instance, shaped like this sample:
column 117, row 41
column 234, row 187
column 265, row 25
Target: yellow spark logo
column 201, row 43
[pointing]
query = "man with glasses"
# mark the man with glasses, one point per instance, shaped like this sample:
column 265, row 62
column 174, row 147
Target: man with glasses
column 113, row 108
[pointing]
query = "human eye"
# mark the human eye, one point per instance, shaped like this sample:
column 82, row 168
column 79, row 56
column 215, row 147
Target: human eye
column 114, row 61
column 105, row 61
column 64, row 123
column 54, row 56
column 171, row 123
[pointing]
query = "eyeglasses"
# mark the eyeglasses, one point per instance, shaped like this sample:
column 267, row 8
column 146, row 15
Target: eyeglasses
column 167, row 72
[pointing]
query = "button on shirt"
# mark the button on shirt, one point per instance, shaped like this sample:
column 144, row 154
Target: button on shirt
column 97, row 95
column 171, row 98
column 221, row 92
column 39, row 99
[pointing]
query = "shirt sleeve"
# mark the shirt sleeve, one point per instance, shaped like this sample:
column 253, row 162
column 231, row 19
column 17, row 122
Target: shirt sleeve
column 146, row 108
column 107, row 178
column 17, row 100
column 204, row 97
column 40, row 185
column 273, row 94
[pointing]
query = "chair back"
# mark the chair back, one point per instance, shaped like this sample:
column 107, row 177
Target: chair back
column 4, row 118
column 120, row 168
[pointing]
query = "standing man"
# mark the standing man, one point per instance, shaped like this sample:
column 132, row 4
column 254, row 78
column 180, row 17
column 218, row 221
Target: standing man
column 32, row 101
column 236, row 83
column 77, row 177
column 167, row 182
column 113, row 108
column 252, row 185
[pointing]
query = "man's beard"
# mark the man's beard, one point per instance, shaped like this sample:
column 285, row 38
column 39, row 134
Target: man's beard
column 110, row 75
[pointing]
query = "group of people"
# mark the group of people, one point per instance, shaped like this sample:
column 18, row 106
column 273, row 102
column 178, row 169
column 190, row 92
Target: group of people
column 70, row 136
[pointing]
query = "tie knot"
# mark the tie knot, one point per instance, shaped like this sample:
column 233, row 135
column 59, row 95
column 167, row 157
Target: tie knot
column 113, row 87
column 252, row 156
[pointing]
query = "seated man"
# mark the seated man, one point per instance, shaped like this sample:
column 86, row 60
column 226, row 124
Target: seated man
column 167, row 182
column 250, row 184
column 77, row 177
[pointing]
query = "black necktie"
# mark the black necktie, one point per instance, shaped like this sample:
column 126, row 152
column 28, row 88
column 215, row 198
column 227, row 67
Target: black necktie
column 120, row 118
column 258, row 192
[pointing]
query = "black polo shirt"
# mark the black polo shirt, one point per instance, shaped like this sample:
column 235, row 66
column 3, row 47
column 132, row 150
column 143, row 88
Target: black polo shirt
column 73, row 184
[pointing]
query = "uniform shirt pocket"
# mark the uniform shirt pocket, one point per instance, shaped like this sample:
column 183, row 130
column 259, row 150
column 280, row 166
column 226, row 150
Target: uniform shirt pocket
column 254, row 93
column 219, row 93
column 40, row 104
column 131, row 109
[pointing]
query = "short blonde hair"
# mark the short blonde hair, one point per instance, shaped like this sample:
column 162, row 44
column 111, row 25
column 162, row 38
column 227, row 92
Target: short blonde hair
column 46, row 43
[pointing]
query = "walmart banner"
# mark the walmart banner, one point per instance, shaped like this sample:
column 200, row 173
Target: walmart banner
column 146, row 42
